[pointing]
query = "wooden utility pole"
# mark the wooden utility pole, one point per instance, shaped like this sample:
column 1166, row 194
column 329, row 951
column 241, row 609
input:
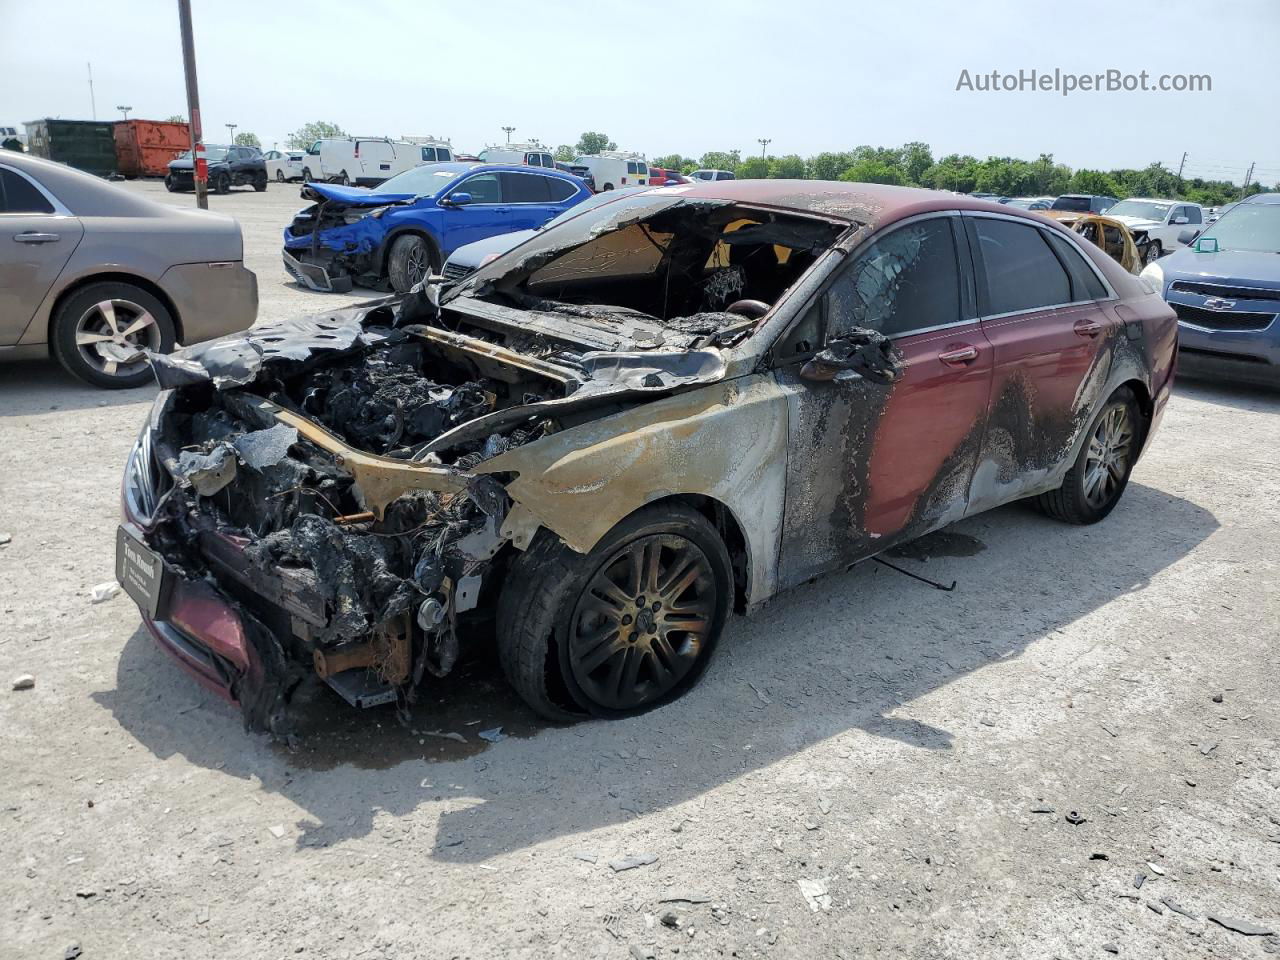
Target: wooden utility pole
column 1182, row 163
column 1247, row 177
column 199, row 165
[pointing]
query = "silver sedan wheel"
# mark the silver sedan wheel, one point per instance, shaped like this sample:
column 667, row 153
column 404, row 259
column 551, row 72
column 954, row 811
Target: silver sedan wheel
column 112, row 334
column 1107, row 462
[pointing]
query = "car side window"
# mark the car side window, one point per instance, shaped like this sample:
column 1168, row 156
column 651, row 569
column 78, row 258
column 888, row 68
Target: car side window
column 524, row 188
column 428, row 154
column 483, row 188
column 17, row 195
column 1085, row 284
column 443, row 154
column 1022, row 273
column 907, row 280
column 1192, row 214
column 559, row 190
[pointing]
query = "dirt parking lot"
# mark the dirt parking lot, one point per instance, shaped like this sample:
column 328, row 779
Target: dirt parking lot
column 1072, row 755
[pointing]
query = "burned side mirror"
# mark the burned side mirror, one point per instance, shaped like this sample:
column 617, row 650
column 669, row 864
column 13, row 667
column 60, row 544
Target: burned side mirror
column 858, row 355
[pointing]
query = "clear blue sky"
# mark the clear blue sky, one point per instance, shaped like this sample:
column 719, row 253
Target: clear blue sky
column 704, row 75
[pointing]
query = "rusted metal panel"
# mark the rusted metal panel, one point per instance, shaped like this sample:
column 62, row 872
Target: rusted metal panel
column 145, row 147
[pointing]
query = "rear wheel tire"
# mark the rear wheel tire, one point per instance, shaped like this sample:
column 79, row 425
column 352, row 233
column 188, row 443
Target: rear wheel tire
column 607, row 186
column 97, row 329
column 623, row 629
column 306, row 174
column 343, row 179
column 1095, row 482
column 260, row 182
column 280, row 177
column 411, row 258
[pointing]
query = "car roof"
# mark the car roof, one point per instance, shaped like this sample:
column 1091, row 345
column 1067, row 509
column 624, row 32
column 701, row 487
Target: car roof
column 870, row 203
column 1262, row 198
column 1160, row 200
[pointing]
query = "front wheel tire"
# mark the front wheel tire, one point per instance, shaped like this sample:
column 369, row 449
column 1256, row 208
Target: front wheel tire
column 411, row 258
column 623, row 629
column 1094, row 484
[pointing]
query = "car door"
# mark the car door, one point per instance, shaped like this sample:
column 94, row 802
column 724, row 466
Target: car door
column 486, row 215
column 529, row 199
column 1043, row 311
column 869, row 463
column 37, row 238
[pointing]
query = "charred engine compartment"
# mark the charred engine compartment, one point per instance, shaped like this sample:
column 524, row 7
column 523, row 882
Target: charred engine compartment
column 277, row 522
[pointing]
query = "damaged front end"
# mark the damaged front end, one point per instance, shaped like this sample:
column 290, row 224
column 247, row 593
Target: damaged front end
column 333, row 496
column 334, row 243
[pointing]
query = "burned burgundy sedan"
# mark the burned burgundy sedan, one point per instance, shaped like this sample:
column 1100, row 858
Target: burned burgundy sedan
column 597, row 445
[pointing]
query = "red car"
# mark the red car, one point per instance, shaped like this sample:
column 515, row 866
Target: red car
column 597, row 445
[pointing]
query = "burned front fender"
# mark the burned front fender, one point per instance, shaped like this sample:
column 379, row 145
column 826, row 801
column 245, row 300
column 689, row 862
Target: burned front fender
column 726, row 441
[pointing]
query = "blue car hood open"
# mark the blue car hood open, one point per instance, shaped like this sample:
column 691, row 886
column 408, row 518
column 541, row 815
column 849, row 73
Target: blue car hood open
column 354, row 196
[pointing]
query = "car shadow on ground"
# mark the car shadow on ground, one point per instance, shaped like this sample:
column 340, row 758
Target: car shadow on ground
column 848, row 652
column 1241, row 396
column 38, row 386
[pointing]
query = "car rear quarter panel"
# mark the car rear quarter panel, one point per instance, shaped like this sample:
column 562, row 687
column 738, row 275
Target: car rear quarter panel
column 726, row 441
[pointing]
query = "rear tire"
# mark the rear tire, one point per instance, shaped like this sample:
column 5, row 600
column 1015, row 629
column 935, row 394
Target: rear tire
column 260, row 182
column 1095, row 482
column 306, row 174
column 411, row 258
column 82, row 339
column 280, row 177
column 551, row 618
column 343, row 179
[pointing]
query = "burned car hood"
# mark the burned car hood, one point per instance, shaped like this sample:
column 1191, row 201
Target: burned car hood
column 353, row 196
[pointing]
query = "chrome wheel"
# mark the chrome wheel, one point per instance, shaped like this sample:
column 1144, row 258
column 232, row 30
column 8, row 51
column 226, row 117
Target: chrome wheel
column 1107, row 461
column 642, row 622
column 111, row 335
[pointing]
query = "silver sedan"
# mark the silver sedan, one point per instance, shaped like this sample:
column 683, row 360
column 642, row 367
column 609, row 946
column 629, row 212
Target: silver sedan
column 95, row 276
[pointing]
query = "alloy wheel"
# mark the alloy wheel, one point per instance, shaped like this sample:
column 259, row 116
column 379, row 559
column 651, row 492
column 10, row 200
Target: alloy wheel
column 1107, row 462
column 112, row 334
column 416, row 264
column 642, row 622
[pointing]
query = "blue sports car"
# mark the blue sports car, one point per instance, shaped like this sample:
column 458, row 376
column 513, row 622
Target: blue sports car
column 394, row 234
column 1225, row 289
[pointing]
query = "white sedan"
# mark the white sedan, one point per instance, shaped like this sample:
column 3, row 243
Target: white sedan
column 283, row 166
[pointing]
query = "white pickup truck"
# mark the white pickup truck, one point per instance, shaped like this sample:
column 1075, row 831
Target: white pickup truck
column 1157, row 221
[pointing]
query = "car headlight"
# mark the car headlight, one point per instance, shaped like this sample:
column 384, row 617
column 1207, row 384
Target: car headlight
column 1154, row 277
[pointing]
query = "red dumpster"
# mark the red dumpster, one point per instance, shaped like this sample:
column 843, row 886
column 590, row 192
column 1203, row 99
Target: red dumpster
column 145, row 147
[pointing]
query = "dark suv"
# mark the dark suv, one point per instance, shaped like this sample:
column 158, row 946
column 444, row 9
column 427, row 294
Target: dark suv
column 228, row 167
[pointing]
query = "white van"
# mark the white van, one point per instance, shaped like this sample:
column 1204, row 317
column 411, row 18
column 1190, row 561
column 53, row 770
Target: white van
column 431, row 149
column 529, row 154
column 367, row 161
column 613, row 169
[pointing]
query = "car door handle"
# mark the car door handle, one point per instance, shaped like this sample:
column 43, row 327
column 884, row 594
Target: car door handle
column 959, row 356
column 32, row 237
column 1087, row 327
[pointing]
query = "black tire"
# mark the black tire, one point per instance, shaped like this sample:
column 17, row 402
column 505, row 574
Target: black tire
column 410, row 254
column 221, row 184
column 1076, row 501
column 69, row 317
column 171, row 186
column 306, row 174
column 260, row 182
column 541, row 613
column 280, row 177
column 343, row 179
column 1154, row 252
column 607, row 186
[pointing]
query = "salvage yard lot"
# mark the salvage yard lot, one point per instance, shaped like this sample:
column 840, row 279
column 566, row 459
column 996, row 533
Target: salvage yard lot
column 866, row 735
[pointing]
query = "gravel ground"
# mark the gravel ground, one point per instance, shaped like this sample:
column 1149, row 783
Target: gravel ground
column 870, row 768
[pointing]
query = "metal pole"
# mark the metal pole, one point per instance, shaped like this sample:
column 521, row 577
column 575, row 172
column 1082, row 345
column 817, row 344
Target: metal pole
column 200, row 166
column 508, row 132
column 1247, row 177
column 764, row 144
column 93, row 104
column 231, row 132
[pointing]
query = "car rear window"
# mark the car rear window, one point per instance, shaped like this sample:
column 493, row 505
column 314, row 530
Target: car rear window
column 1076, row 204
column 907, row 280
column 560, row 190
column 1022, row 273
column 524, row 188
column 1085, row 284
column 17, row 195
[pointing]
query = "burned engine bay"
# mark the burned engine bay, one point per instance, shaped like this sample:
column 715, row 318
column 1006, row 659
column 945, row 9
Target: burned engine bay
column 322, row 469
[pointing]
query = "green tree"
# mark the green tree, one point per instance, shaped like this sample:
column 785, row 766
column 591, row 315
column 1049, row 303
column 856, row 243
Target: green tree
column 591, row 143
column 1095, row 182
column 175, row 118
column 953, row 172
column 788, row 167
column 829, row 166
column 673, row 161
column 308, row 133
column 872, row 170
column 721, row 160
column 916, row 159
column 247, row 139
column 752, row 168
column 565, row 153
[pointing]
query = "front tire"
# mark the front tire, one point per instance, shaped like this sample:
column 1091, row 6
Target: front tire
column 280, row 178
column 411, row 258
column 1095, row 482
column 99, row 330
column 623, row 629
column 306, row 174
column 260, row 182
column 222, row 184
